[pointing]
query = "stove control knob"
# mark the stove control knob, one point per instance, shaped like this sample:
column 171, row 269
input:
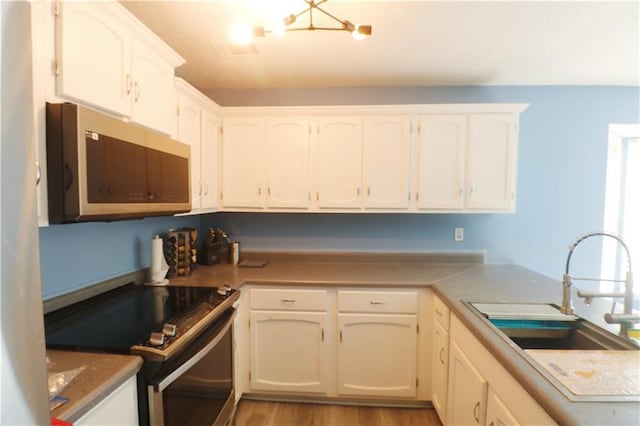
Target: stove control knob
column 222, row 291
column 169, row 330
column 156, row 339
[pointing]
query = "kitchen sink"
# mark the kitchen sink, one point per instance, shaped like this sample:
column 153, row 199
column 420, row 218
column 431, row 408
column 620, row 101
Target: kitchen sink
column 577, row 334
column 542, row 326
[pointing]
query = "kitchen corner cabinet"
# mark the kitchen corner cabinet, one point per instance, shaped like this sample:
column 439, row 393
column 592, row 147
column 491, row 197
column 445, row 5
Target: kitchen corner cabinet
column 387, row 162
column 105, row 59
column 377, row 345
column 481, row 391
column 198, row 128
column 338, row 163
column 289, row 350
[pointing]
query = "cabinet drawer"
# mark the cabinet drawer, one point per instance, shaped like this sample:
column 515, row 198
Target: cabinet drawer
column 441, row 312
column 378, row 301
column 289, row 299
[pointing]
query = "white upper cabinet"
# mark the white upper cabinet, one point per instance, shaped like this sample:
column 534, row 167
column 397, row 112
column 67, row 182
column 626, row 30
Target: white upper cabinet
column 93, row 57
column 198, row 127
column 441, row 144
column 153, row 93
column 109, row 61
column 491, row 161
column 287, row 158
column 338, row 163
column 209, row 160
column 242, row 163
column 387, row 162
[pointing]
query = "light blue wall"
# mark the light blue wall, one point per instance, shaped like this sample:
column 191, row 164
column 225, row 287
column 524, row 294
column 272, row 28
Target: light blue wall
column 563, row 138
column 561, row 169
column 73, row 256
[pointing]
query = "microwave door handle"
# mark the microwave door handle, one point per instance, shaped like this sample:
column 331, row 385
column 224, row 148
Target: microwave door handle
column 162, row 385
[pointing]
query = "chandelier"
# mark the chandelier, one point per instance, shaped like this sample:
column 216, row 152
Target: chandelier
column 359, row 32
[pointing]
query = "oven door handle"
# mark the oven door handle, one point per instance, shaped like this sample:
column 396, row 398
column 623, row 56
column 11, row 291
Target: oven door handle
column 160, row 386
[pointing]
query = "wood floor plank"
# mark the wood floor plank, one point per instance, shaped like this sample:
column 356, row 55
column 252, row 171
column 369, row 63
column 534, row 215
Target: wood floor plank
column 266, row 413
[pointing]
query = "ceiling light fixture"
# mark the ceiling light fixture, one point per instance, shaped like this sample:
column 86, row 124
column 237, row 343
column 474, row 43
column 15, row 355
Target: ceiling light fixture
column 359, row 32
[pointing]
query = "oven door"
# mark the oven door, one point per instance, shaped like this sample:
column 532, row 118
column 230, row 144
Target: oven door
column 196, row 388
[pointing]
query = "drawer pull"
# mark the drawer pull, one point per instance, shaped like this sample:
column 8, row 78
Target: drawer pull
column 441, row 353
column 376, row 303
column 288, row 300
column 476, row 412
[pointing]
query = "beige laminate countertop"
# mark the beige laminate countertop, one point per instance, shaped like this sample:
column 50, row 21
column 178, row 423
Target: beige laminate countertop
column 511, row 283
column 102, row 374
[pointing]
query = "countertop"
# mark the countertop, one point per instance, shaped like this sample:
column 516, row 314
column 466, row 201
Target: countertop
column 102, row 374
column 455, row 278
column 511, row 283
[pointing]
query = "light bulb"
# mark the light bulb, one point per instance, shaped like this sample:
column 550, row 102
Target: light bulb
column 241, row 33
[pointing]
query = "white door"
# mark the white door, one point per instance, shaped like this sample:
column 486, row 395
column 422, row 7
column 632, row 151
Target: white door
column 441, row 155
column 466, row 400
column 440, row 370
column 287, row 154
column 242, row 145
column 377, row 355
column 153, row 92
column 491, row 162
column 289, row 351
column 497, row 413
column 209, row 164
column 338, row 163
column 387, row 162
column 189, row 133
column 93, row 56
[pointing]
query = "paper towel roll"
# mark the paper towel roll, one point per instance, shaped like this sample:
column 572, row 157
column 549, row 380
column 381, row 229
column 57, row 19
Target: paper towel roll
column 159, row 267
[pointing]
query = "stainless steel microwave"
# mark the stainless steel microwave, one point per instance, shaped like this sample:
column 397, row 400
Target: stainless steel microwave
column 101, row 169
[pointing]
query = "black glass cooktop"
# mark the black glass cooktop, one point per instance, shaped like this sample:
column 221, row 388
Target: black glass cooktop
column 118, row 319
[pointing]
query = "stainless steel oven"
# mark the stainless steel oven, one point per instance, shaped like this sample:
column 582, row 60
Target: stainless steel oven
column 184, row 334
column 197, row 389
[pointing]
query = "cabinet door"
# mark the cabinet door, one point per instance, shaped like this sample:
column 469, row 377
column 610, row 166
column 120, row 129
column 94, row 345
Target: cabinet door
column 120, row 407
column 242, row 142
column 287, row 155
column 441, row 155
column 153, row 92
column 377, row 355
column 189, row 133
column 338, row 163
column 440, row 370
column 209, row 164
column 491, row 162
column 467, row 395
column 387, row 162
column 93, row 57
column 497, row 413
column 289, row 351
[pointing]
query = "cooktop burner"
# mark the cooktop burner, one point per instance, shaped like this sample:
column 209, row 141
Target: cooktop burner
column 150, row 321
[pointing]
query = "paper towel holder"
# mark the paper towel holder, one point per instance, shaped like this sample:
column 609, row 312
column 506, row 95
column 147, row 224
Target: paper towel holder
column 159, row 267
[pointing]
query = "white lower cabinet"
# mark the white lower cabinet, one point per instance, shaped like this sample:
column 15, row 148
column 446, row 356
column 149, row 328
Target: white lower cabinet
column 440, row 359
column 336, row 343
column 120, row 407
column 377, row 355
column 481, row 391
column 289, row 352
column 467, row 390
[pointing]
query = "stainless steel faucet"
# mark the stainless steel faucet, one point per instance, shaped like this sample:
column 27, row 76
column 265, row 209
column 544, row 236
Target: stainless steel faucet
column 627, row 317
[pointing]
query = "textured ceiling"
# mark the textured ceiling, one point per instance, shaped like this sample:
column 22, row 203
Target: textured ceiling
column 414, row 43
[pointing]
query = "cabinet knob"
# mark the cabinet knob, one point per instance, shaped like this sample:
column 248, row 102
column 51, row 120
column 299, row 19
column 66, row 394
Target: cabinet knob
column 38, row 173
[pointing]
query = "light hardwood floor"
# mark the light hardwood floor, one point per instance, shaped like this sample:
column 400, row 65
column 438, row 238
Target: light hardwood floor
column 262, row 413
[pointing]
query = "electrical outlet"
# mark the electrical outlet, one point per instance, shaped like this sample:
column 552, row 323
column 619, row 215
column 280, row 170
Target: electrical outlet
column 458, row 234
